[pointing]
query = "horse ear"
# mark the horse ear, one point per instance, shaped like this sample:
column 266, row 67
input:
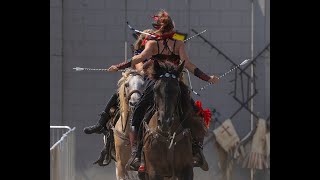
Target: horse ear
column 156, row 66
column 181, row 66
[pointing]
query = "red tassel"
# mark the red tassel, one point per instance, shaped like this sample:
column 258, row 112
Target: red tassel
column 141, row 168
column 207, row 117
column 206, row 114
column 144, row 41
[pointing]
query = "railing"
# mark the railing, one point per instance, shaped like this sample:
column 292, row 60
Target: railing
column 62, row 153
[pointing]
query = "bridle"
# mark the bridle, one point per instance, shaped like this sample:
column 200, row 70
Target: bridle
column 178, row 104
column 170, row 140
column 128, row 96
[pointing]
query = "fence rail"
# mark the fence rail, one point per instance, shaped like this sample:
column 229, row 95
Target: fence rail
column 62, row 153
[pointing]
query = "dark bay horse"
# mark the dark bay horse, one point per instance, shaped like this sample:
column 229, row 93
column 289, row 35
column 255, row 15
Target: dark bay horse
column 167, row 144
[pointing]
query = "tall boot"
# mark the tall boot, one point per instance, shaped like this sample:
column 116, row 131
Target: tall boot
column 105, row 116
column 99, row 126
column 135, row 159
column 198, row 156
column 197, row 145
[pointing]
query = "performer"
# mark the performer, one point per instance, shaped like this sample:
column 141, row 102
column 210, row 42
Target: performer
column 161, row 48
column 100, row 126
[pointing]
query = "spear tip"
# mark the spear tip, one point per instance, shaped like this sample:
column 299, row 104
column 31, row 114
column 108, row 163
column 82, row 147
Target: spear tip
column 245, row 62
column 78, row 69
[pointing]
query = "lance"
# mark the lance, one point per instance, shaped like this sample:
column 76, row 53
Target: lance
column 195, row 35
column 154, row 36
column 243, row 63
column 138, row 31
column 141, row 32
column 90, row 69
column 191, row 89
column 189, row 79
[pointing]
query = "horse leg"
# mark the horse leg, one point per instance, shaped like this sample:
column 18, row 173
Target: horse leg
column 121, row 157
column 155, row 177
column 121, row 171
column 187, row 173
column 143, row 176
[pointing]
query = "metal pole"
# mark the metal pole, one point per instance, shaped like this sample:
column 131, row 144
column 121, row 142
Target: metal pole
column 252, row 66
column 187, row 2
column 125, row 32
column 62, row 62
column 189, row 15
column 252, row 72
column 251, row 82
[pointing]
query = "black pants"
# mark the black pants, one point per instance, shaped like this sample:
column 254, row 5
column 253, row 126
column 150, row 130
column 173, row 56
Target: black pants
column 113, row 102
column 144, row 104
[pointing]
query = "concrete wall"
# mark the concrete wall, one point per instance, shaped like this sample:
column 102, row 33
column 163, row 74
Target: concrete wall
column 91, row 33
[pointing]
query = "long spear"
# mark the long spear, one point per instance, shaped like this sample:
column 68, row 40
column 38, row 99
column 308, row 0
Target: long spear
column 195, row 35
column 243, row 63
column 141, row 32
column 152, row 35
column 90, row 69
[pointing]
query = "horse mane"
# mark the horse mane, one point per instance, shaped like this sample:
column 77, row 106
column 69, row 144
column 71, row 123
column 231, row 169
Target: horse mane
column 165, row 66
column 124, row 107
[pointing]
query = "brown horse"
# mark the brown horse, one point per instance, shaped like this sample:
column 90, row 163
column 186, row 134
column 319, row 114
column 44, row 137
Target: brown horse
column 167, row 144
column 130, row 90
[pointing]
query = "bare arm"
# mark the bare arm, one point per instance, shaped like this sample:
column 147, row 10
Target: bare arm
column 145, row 54
column 183, row 55
column 193, row 68
column 138, row 66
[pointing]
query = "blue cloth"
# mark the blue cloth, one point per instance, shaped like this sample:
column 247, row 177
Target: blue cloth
column 136, row 52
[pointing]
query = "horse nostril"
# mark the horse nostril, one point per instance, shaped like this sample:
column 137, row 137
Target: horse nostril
column 132, row 103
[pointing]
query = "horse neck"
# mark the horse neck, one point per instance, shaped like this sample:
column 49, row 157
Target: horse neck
column 177, row 123
column 124, row 109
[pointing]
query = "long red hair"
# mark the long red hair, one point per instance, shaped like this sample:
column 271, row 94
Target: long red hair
column 164, row 22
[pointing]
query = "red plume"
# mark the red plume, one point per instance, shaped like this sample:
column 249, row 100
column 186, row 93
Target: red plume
column 144, row 41
column 206, row 114
column 155, row 18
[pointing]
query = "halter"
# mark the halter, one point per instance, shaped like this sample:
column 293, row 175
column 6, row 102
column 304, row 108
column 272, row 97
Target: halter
column 128, row 97
column 170, row 140
column 167, row 75
column 132, row 92
column 178, row 105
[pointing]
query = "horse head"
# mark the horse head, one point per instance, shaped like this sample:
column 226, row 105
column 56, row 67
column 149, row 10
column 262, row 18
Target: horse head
column 133, row 88
column 167, row 93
